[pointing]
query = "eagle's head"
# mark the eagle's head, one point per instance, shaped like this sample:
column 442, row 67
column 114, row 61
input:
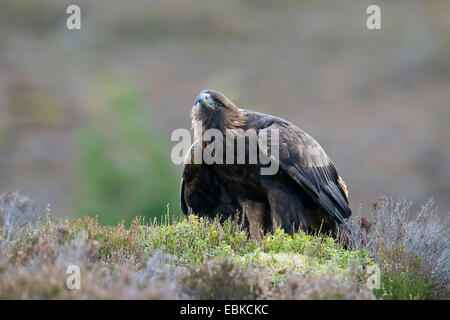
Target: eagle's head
column 215, row 110
column 214, row 100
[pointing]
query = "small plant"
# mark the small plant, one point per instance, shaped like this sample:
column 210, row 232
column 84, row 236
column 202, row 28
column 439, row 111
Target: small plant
column 412, row 248
column 16, row 211
column 402, row 276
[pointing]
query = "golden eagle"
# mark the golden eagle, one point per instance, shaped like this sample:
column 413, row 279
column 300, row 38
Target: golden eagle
column 306, row 192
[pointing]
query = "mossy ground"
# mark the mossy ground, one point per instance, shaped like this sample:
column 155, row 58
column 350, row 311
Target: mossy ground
column 196, row 240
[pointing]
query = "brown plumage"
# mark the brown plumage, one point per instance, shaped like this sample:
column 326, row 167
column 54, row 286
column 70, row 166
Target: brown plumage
column 305, row 193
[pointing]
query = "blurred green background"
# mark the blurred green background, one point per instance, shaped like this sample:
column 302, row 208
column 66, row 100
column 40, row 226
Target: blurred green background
column 86, row 115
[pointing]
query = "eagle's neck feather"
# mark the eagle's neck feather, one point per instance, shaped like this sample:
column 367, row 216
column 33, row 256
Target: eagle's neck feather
column 226, row 119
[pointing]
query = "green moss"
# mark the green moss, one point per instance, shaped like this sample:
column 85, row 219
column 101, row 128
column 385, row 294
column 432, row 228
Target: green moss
column 196, row 240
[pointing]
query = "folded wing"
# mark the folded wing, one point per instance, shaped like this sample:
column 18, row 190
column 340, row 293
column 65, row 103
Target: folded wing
column 307, row 164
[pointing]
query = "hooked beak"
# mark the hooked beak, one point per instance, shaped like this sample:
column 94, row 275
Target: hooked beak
column 205, row 99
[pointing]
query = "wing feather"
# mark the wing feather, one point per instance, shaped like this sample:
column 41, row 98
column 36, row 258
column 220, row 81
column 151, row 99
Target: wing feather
column 307, row 164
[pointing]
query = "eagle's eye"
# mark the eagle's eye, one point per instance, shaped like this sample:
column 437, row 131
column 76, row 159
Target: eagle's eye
column 218, row 104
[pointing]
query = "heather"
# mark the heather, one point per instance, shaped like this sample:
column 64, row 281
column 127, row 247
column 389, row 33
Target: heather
column 196, row 258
